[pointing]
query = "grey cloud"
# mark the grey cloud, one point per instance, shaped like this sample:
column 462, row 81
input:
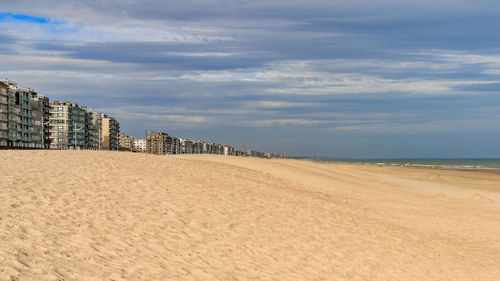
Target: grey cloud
column 7, row 39
column 161, row 53
column 484, row 87
column 6, row 44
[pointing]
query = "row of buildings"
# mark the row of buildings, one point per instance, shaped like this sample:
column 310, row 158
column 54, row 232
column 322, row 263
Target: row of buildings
column 29, row 120
column 161, row 143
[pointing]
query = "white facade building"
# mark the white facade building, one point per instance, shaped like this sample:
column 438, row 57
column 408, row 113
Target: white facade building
column 140, row 145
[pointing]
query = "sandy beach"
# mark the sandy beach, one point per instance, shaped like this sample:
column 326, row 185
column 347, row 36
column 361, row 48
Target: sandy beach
column 93, row 215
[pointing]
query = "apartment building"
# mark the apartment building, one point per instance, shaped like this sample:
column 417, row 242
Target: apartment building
column 207, row 147
column 37, row 126
column 96, row 122
column 170, row 145
column 229, row 150
column 177, row 146
column 161, row 143
column 16, row 127
column 186, row 146
column 156, row 143
column 217, row 149
column 139, row 145
column 197, row 147
column 4, row 124
column 44, row 104
column 88, row 128
column 253, row 153
column 68, row 126
column 110, row 133
column 126, row 142
column 22, row 115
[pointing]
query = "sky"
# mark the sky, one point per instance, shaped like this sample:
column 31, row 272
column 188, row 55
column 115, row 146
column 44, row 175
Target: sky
column 358, row 78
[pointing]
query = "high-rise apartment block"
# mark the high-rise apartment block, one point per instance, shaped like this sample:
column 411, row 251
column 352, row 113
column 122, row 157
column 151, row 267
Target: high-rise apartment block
column 229, row 150
column 176, row 149
column 69, row 126
column 161, row 143
column 110, row 133
column 186, row 146
column 22, row 116
column 156, row 143
column 44, row 104
column 95, row 119
column 4, row 115
column 197, row 147
column 171, row 144
column 126, row 142
column 89, row 128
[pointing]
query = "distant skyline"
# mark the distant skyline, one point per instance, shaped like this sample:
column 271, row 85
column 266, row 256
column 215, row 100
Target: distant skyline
column 304, row 78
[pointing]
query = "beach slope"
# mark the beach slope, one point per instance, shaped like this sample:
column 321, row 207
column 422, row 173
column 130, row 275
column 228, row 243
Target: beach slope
column 92, row 215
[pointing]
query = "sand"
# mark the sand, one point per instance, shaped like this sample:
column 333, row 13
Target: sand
column 80, row 215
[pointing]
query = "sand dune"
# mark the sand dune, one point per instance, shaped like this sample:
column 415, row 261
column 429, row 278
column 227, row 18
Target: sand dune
column 75, row 215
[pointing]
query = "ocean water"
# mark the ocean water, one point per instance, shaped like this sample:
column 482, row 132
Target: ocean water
column 478, row 164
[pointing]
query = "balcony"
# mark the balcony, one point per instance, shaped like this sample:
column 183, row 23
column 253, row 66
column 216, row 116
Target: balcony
column 14, row 111
column 26, row 106
column 13, row 119
column 14, row 135
column 61, row 135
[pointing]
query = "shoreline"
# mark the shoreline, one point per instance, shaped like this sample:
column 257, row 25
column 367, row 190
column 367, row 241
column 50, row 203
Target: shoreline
column 416, row 166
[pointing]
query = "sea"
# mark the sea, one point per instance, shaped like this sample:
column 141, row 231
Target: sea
column 469, row 164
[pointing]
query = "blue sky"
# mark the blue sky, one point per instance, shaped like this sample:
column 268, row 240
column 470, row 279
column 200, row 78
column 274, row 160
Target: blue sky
column 23, row 18
column 306, row 78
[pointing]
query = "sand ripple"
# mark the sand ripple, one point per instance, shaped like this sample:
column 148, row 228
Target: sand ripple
column 74, row 215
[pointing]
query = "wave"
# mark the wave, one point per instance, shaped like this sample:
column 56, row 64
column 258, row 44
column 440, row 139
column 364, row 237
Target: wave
column 492, row 165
